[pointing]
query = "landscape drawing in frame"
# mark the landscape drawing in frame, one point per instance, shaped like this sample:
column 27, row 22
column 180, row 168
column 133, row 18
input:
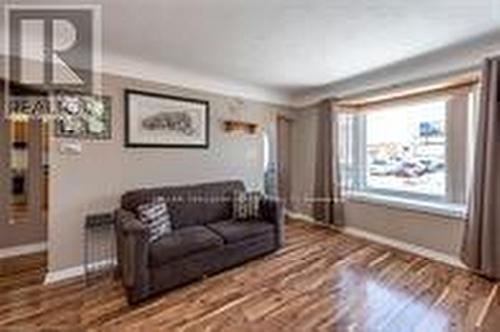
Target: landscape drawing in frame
column 155, row 120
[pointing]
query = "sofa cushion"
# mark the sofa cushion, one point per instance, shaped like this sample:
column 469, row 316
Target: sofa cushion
column 189, row 205
column 234, row 231
column 182, row 242
column 246, row 205
column 155, row 216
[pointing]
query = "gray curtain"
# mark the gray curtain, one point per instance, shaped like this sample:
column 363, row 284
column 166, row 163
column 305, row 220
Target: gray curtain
column 327, row 207
column 481, row 247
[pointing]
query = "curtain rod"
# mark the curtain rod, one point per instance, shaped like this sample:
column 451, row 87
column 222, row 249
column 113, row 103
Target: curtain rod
column 400, row 92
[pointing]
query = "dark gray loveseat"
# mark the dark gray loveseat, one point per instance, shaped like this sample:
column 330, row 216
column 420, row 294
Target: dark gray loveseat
column 205, row 239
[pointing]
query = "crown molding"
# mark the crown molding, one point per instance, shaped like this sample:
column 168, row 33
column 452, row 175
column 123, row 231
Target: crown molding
column 163, row 73
column 440, row 63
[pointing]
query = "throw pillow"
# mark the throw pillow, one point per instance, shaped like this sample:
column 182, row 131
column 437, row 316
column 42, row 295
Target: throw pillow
column 156, row 217
column 246, row 205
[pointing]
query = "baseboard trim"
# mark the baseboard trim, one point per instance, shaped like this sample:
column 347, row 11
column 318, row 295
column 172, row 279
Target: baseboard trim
column 25, row 249
column 487, row 309
column 405, row 246
column 390, row 242
column 60, row 275
column 78, row 271
column 74, row 272
column 301, row 216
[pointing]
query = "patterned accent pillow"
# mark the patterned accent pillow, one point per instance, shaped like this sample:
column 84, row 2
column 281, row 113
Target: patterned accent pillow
column 246, row 205
column 156, row 217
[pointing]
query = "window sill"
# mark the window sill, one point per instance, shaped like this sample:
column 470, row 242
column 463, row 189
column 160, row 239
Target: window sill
column 449, row 210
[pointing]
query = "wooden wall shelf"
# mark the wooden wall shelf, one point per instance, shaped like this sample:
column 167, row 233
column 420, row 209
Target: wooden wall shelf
column 245, row 127
column 19, row 145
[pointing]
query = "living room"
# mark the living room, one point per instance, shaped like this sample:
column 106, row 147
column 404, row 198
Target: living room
column 230, row 165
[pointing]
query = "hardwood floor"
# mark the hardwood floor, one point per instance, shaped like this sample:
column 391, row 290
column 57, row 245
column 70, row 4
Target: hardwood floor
column 22, row 271
column 322, row 281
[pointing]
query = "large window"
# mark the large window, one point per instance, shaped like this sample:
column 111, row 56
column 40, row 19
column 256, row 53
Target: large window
column 406, row 149
column 415, row 151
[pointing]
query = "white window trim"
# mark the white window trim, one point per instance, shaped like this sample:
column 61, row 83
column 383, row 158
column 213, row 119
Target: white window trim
column 449, row 210
column 405, row 201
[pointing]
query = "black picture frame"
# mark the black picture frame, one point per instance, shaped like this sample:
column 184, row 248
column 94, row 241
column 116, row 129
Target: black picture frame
column 130, row 144
column 84, row 101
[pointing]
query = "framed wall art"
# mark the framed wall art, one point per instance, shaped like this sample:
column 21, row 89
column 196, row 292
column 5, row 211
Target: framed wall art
column 83, row 116
column 163, row 121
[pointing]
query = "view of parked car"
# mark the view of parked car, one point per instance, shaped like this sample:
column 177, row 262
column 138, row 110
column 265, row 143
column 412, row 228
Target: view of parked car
column 404, row 168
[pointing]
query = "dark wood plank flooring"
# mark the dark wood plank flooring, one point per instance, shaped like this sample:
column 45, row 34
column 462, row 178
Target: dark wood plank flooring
column 321, row 281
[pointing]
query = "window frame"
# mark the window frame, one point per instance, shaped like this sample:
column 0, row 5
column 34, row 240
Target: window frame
column 440, row 204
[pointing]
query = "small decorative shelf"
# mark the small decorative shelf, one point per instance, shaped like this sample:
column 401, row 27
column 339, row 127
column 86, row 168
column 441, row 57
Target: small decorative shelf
column 245, row 127
column 19, row 145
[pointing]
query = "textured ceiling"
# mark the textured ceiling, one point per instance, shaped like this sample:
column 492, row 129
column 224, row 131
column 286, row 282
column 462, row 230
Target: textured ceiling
column 290, row 44
column 287, row 45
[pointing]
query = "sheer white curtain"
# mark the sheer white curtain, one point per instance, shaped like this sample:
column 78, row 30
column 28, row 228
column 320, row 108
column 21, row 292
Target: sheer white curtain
column 270, row 142
column 390, row 134
column 461, row 128
column 349, row 156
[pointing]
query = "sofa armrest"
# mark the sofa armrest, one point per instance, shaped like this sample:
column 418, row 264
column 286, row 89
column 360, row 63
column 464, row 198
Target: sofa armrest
column 273, row 211
column 133, row 247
